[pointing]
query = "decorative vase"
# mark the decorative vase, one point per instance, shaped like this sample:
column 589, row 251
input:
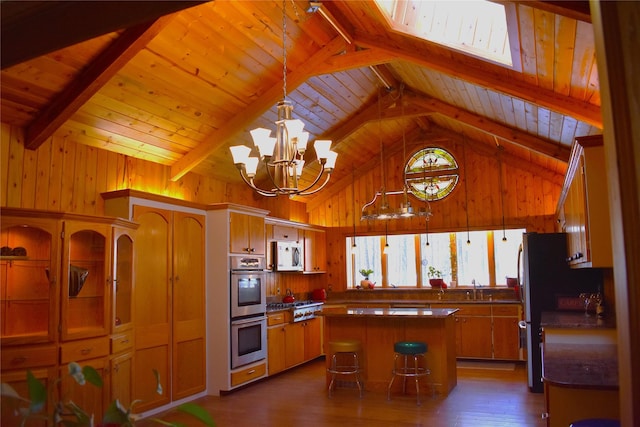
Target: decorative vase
column 436, row 283
column 365, row 283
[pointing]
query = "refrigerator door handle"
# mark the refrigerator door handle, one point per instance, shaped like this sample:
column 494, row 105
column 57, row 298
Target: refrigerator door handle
column 522, row 324
column 520, row 284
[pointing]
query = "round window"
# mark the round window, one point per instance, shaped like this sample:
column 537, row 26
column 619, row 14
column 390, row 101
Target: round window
column 431, row 174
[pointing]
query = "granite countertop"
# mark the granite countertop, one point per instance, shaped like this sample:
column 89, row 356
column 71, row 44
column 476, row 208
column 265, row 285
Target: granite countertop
column 418, row 303
column 418, row 313
column 575, row 319
column 581, row 365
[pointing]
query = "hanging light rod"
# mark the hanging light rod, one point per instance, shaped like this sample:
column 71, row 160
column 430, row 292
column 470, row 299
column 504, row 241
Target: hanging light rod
column 406, row 210
column 283, row 156
column 316, row 6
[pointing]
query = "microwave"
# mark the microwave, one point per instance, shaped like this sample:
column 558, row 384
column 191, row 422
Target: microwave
column 287, row 256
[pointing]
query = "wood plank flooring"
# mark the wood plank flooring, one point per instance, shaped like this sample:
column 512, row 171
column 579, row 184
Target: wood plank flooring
column 482, row 398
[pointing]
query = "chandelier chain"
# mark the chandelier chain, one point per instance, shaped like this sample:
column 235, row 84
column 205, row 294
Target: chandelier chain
column 284, row 50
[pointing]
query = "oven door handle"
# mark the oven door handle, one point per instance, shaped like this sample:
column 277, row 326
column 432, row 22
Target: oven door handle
column 249, row 320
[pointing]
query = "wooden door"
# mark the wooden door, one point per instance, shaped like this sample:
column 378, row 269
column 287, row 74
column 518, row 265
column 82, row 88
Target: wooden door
column 312, row 339
column 17, row 379
column 238, row 233
column 256, row 235
column 121, row 317
column 122, row 378
column 188, row 351
column 276, row 349
column 92, row 399
column 294, row 344
column 152, row 306
column 506, row 338
column 475, row 337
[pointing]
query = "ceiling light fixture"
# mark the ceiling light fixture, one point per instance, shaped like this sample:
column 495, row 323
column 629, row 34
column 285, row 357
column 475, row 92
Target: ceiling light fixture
column 283, row 156
column 466, row 186
column 382, row 210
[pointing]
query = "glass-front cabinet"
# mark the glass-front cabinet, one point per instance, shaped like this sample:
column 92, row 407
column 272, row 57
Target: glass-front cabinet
column 29, row 263
column 86, row 280
column 122, row 310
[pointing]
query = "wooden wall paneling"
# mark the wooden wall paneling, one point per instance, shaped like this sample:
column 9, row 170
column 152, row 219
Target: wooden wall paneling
column 68, row 170
column 544, row 31
column 565, row 39
column 54, row 200
column 29, row 179
column 16, row 168
column 5, row 142
column 43, row 168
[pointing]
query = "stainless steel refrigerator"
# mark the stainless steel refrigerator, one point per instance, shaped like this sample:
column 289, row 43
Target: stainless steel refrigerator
column 544, row 275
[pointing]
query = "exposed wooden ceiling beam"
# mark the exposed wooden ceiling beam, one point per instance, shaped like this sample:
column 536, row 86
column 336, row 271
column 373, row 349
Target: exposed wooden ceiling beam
column 253, row 111
column 575, row 9
column 95, row 75
column 582, row 111
column 515, row 136
column 30, row 29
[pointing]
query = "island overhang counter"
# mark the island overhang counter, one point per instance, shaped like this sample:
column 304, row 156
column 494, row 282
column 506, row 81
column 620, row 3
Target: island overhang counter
column 379, row 328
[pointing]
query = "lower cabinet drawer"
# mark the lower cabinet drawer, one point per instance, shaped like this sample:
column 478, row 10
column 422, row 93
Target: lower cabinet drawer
column 31, row 357
column 248, row 374
column 84, row 349
column 121, row 342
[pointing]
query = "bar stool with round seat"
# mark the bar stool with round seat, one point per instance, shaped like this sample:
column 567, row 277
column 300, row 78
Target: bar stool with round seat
column 404, row 350
column 344, row 361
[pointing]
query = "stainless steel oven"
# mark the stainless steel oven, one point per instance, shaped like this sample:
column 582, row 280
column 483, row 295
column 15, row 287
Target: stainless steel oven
column 248, row 340
column 248, row 287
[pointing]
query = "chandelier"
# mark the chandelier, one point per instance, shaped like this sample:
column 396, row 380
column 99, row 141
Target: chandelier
column 283, row 155
column 381, row 210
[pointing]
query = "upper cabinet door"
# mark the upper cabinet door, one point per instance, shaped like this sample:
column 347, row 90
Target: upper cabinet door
column 28, row 280
column 246, row 234
column 86, row 280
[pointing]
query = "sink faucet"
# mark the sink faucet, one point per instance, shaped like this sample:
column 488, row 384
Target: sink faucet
column 473, row 282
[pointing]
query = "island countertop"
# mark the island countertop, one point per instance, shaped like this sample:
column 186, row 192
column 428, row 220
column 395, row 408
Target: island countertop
column 416, row 313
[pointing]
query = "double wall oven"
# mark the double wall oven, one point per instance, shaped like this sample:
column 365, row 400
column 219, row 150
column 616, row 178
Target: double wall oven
column 248, row 310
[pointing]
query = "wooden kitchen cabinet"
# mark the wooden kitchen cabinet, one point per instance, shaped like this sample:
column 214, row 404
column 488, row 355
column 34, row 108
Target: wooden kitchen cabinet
column 583, row 207
column 246, row 234
column 276, row 342
column 169, row 297
column 29, row 285
column 506, row 332
column 281, row 232
column 315, row 252
column 293, row 344
column 93, row 400
column 86, row 262
column 18, row 380
column 473, row 331
column 312, row 338
column 121, row 377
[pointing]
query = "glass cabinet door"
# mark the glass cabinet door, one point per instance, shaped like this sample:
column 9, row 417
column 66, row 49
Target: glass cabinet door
column 85, row 290
column 28, row 274
column 123, row 281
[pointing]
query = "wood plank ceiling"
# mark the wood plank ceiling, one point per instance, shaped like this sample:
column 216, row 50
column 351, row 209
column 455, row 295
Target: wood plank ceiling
column 180, row 82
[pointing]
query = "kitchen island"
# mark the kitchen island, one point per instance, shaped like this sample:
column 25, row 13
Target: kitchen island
column 379, row 328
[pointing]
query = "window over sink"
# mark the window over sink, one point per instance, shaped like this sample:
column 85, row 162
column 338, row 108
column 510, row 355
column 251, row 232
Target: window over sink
column 488, row 259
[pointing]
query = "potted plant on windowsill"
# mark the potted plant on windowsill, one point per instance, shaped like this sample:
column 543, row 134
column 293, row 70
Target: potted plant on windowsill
column 435, row 278
column 366, row 283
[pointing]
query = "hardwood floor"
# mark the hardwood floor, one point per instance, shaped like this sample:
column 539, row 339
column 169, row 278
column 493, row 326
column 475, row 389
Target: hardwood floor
column 482, row 398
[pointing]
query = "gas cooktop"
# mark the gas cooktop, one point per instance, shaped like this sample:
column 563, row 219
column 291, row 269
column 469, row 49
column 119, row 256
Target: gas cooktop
column 274, row 306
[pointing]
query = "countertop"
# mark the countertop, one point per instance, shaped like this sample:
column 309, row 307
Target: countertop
column 575, row 319
column 421, row 303
column 416, row 313
column 581, row 365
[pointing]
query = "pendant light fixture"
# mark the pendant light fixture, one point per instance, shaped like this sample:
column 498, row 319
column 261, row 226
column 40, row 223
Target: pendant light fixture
column 500, row 150
column 387, row 248
column 354, row 247
column 382, row 210
column 283, row 156
column 466, row 185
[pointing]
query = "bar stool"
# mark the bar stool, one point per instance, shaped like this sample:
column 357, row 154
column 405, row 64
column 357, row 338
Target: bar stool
column 405, row 349
column 344, row 361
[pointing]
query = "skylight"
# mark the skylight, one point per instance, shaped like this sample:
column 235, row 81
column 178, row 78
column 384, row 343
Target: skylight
column 476, row 27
